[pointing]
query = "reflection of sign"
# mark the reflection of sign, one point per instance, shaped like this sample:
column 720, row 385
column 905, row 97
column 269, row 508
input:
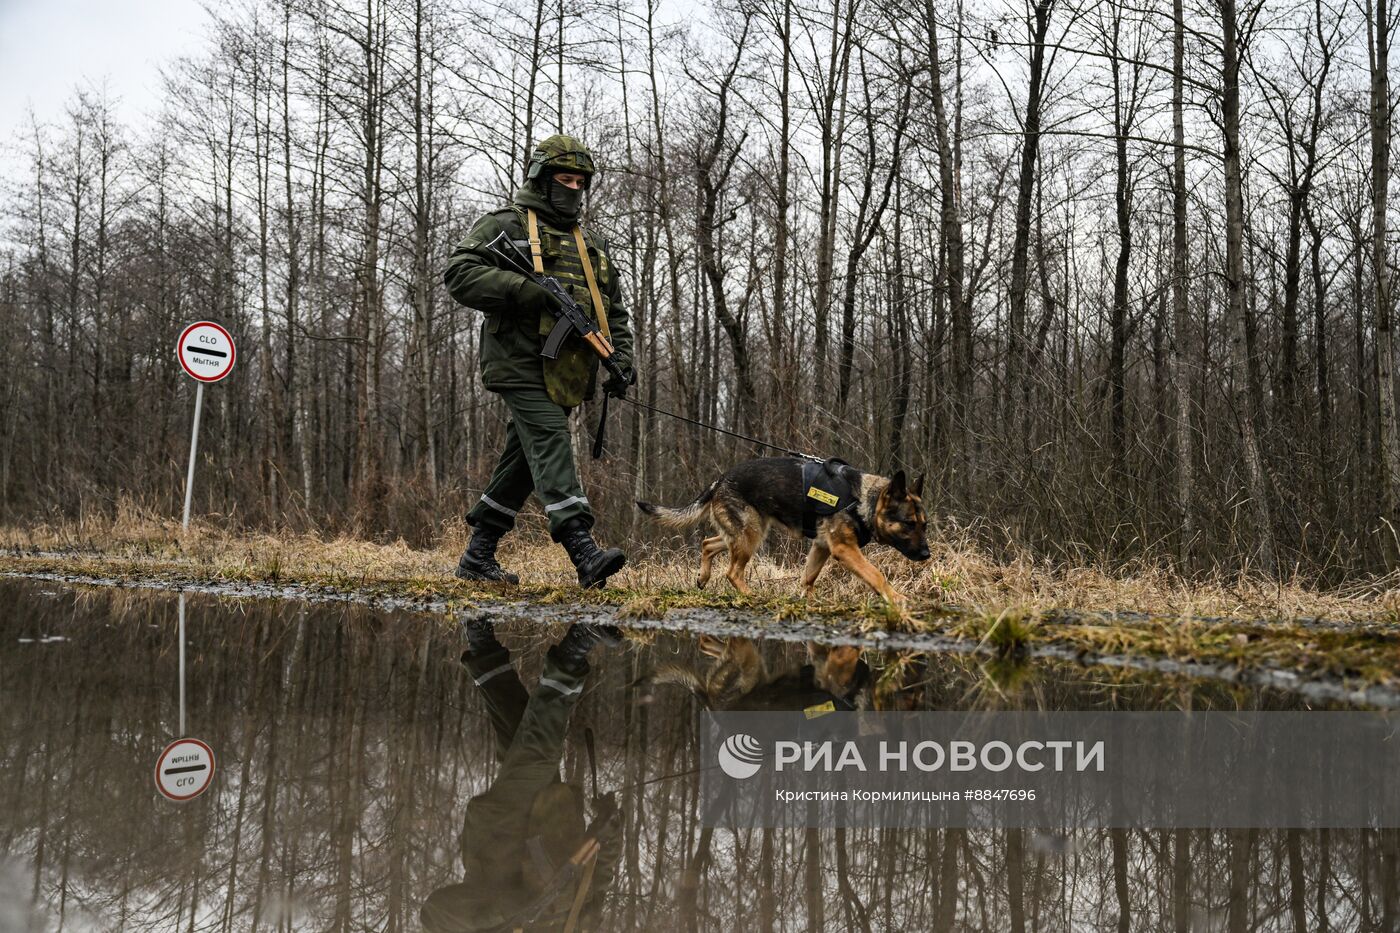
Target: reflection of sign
column 185, row 769
column 206, row 351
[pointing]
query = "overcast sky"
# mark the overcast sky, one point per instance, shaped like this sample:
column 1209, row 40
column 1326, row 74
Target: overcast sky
column 50, row 47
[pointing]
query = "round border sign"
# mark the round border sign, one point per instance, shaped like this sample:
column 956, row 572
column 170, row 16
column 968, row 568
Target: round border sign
column 185, row 769
column 202, row 354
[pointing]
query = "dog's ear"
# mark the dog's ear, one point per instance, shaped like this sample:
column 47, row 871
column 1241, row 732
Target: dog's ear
column 898, row 486
column 919, row 486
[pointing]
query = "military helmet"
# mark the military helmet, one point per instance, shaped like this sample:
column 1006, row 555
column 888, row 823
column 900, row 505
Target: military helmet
column 561, row 153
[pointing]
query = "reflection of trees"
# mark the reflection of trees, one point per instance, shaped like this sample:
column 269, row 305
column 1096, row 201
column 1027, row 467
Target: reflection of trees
column 349, row 743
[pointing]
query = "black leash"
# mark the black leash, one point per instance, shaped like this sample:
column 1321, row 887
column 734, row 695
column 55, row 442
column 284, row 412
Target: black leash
column 603, row 417
column 592, row 758
column 667, row 777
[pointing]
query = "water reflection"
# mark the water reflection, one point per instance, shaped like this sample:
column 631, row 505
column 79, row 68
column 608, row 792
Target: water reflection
column 355, row 749
column 530, row 858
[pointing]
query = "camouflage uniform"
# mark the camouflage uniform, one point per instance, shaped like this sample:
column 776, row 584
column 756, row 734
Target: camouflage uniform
column 540, row 393
column 530, row 731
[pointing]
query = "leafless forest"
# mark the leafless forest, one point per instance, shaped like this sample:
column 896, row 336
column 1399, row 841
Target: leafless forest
column 1116, row 276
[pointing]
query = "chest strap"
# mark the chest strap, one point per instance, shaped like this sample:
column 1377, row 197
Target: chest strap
column 826, row 491
column 863, row 531
column 580, row 866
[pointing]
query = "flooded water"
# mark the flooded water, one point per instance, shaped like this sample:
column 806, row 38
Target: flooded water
column 350, row 744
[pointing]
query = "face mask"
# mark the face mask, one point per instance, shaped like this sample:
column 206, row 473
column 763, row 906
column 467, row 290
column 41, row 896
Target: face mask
column 565, row 201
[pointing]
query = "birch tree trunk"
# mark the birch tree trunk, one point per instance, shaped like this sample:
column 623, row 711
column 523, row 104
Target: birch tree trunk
column 1258, row 487
column 950, row 218
column 1025, row 188
column 1378, row 37
column 1181, row 320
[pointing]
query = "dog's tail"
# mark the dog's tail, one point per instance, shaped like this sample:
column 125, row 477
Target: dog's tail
column 684, row 677
column 685, row 517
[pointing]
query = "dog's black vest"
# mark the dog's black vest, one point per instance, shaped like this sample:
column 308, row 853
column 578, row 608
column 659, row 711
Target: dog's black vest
column 821, row 698
column 826, row 490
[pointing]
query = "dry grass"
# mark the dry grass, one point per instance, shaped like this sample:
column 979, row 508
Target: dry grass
column 959, row 573
column 1003, row 606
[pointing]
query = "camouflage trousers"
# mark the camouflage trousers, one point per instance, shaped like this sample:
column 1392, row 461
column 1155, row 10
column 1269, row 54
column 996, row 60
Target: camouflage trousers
column 538, row 458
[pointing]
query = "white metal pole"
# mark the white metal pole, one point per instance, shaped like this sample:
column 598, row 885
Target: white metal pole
column 182, row 665
column 189, row 477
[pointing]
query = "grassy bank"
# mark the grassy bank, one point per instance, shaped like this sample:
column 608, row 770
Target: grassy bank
column 959, row 592
column 959, row 573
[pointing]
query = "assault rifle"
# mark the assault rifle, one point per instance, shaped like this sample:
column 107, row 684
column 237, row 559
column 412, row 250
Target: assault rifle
column 572, row 319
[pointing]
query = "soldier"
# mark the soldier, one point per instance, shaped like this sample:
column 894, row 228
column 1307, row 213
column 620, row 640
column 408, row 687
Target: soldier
column 530, row 860
column 540, row 393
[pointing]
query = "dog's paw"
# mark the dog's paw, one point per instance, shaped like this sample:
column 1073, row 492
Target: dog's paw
column 896, row 611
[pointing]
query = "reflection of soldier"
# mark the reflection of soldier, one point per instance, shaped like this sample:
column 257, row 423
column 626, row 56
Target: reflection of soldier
column 531, row 862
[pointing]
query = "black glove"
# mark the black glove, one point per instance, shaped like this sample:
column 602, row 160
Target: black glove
column 606, row 821
column 533, row 297
column 617, row 386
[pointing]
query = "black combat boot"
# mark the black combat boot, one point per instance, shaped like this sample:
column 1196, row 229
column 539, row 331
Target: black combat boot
column 594, row 564
column 572, row 651
column 478, row 561
column 481, row 635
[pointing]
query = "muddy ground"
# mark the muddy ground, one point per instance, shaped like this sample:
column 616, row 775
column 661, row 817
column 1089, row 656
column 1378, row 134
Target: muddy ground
column 1328, row 660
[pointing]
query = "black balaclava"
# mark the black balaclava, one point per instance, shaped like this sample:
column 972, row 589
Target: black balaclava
column 566, row 202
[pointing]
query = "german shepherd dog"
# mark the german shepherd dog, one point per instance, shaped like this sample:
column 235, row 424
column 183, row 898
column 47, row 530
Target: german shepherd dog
column 738, row 678
column 755, row 495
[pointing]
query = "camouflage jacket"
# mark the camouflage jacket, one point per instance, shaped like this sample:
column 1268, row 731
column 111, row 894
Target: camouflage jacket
column 511, row 339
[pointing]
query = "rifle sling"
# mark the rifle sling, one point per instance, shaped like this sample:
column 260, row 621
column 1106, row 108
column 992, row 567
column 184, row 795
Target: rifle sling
column 599, row 309
column 535, row 255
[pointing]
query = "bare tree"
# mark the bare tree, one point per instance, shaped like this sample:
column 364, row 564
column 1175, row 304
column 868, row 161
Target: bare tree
column 1181, row 320
column 1378, row 35
column 921, row 241
column 1258, row 488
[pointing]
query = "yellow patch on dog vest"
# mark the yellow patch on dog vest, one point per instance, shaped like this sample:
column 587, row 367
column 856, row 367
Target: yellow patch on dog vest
column 821, row 495
column 821, row 709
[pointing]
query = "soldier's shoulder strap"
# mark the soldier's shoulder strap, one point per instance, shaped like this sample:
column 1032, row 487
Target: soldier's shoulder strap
column 507, row 214
column 603, row 247
column 503, row 218
column 595, row 240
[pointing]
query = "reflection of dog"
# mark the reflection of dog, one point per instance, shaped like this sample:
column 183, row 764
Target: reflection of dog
column 737, row 670
column 754, row 495
column 838, row 669
column 738, row 678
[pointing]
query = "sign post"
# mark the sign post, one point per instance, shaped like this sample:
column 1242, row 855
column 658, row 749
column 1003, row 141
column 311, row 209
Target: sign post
column 206, row 353
column 194, row 446
column 185, row 768
column 182, row 662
